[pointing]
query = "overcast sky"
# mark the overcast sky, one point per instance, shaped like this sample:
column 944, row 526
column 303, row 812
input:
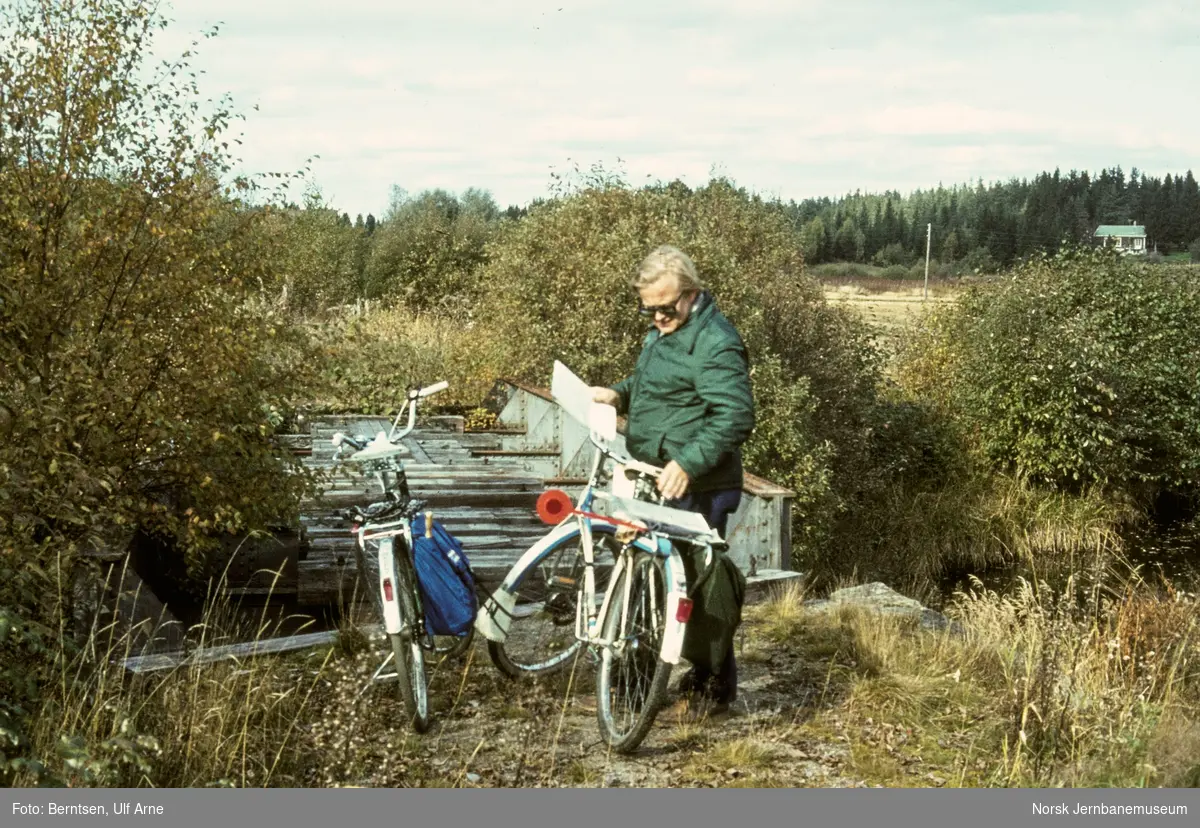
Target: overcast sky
column 788, row 98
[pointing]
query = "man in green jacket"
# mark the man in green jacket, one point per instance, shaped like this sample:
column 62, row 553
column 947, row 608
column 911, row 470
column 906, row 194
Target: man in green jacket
column 689, row 409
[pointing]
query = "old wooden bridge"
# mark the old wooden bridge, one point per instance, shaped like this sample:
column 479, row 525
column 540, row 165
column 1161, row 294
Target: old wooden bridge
column 483, row 486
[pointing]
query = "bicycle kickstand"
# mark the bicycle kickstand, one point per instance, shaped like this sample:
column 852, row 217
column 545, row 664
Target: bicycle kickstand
column 378, row 675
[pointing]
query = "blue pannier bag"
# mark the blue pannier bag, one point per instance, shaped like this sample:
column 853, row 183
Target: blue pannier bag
column 445, row 579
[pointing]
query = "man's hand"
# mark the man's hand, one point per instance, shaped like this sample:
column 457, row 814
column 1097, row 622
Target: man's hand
column 673, row 482
column 606, row 396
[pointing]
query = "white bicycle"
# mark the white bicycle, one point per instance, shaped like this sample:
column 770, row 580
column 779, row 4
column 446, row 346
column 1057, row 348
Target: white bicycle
column 384, row 555
column 629, row 606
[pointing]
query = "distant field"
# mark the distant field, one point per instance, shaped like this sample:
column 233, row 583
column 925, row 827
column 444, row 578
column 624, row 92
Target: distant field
column 888, row 311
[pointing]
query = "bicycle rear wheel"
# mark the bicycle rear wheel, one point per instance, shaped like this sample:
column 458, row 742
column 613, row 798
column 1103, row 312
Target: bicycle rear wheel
column 407, row 654
column 631, row 683
column 541, row 634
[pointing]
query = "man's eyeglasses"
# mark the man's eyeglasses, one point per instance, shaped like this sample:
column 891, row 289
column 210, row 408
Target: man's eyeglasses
column 669, row 310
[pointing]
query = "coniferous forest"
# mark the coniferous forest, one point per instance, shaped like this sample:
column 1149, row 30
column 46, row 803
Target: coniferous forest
column 975, row 228
column 998, row 224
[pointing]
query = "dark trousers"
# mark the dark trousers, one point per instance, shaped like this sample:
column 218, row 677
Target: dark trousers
column 718, row 681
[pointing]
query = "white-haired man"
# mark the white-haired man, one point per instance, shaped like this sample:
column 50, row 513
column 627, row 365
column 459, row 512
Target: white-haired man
column 689, row 408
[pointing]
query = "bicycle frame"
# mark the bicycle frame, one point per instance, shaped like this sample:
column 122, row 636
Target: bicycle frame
column 384, row 453
column 386, row 535
column 494, row 617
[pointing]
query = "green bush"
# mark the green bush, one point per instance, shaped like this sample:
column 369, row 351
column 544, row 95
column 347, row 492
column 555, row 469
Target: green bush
column 368, row 361
column 1194, row 250
column 320, row 260
column 978, row 261
column 891, row 255
column 845, row 270
column 141, row 379
column 1078, row 368
column 427, row 249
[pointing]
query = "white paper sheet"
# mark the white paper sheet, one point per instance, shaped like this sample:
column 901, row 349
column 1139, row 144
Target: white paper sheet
column 572, row 393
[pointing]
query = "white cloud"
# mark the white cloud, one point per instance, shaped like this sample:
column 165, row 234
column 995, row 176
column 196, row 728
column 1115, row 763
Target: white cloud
column 803, row 99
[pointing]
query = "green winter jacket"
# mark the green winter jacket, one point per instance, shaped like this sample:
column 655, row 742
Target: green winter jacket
column 689, row 399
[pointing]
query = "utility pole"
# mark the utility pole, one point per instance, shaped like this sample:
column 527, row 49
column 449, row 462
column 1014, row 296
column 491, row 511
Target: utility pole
column 928, row 240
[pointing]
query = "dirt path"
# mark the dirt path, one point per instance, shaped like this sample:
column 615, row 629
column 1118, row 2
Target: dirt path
column 493, row 732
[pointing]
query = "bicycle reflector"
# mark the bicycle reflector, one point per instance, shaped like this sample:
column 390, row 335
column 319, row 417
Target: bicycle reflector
column 553, row 505
column 684, row 611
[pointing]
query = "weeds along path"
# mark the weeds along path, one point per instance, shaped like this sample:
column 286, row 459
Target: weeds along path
column 848, row 691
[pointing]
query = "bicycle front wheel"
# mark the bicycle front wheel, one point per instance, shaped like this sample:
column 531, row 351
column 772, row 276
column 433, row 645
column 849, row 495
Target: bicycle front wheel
column 541, row 633
column 631, row 683
column 407, row 650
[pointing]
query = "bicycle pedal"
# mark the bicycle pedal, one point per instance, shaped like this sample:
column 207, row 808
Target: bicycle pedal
column 560, row 606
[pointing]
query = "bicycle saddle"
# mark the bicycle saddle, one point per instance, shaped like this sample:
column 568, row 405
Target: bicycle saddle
column 380, row 449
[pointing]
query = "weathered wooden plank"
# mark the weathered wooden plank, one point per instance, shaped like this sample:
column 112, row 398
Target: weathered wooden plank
column 418, row 488
column 525, row 524
column 447, row 422
column 505, row 514
column 413, row 470
column 500, row 453
column 321, row 534
column 261, row 592
column 447, row 487
column 764, row 583
column 441, row 478
column 468, row 529
column 235, row 652
column 323, row 549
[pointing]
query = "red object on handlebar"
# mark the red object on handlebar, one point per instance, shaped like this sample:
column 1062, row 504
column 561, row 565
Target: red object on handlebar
column 554, row 504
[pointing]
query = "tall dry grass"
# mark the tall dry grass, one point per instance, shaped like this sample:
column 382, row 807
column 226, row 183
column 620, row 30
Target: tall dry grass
column 973, row 523
column 307, row 718
column 232, row 723
column 1033, row 688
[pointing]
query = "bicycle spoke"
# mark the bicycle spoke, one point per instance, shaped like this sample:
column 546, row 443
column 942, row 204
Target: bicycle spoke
column 541, row 635
column 631, row 683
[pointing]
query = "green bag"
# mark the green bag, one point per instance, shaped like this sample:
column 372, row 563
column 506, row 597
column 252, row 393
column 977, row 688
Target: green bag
column 718, row 593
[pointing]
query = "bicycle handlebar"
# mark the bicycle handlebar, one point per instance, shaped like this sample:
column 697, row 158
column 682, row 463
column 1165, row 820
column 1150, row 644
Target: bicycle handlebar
column 414, row 394
column 429, row 391
column 340, row 437
column 637, row 465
